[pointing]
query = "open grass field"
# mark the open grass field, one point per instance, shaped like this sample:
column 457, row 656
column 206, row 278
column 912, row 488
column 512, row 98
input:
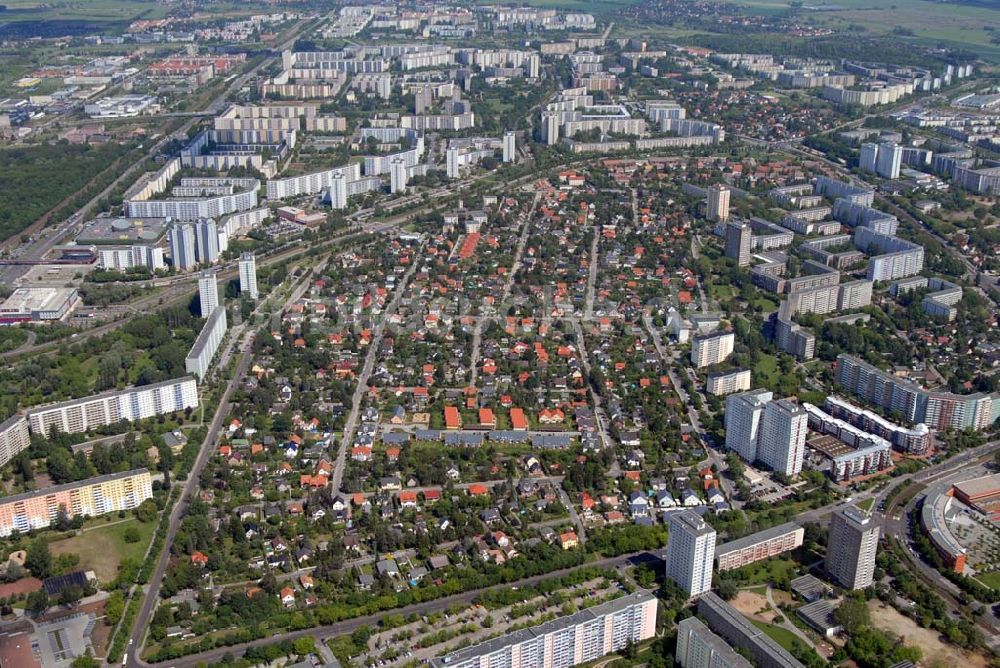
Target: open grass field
column 38, row 18
column 103, row 548
column 951, row 23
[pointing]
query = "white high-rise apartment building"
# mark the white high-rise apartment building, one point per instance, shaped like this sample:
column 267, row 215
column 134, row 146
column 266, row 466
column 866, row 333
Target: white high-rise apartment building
column 851, row 547
column 509, row 146
column 452, row 162
column 781, row 443
column 890, row 160
column 550, row 127
column 869, row 157
column 248, row 275
column 208, row 293
column 206, row 240
column 738, row 242
column 712, row 348
column 690, row 552
column 397, row 176
column 728, row 382
column 743, row 415
column 199, row 359
column 182, row 243
column 718, row 203
column 338, row 190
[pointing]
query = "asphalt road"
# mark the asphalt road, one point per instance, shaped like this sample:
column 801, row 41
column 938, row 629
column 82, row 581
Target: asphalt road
column 190, row 486
column 324, row 633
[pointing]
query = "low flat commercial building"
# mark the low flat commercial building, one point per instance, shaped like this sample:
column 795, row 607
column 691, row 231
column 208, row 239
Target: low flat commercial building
column 933, row 522
column 135, row 403
column 566, row 641
column 819, row 616
column 737, row 630
column 87, row 498
column 124, row 106
column 38, row 305
column 758, row 546
column 981, row 493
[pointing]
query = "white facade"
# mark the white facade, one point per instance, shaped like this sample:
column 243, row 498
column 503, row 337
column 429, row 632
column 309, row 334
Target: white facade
column 206, row 236
column 338, row 190
column 397, row 177
column 853, row 541
column 566, row 641
column 452, row 162
column 208, row 293
column 193, row 208
column 182, row 245
column 310, row 184
column 743, row 417
column 690, row 552
column 718, row 203
column 728, row 382
column 712, row 348
column 14, row 438
column 199, row 359
column 890, row 159
column 509, row 146
column 248, row 275
column 121, row 258
column 135, row 403
column 782, row 440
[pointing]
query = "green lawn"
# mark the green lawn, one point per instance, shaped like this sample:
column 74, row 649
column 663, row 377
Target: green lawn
column 766, row 370
column 990, row 579
column 770, row 570
column 720, row 291
column 103, row 548
column 866, row 504
column 785, row 638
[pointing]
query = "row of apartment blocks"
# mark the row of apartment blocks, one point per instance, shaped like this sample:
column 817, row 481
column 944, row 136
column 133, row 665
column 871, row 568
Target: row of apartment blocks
column 194, row 197
column 96, row 496
column 758, row 546
column 915, row 440
column 854, row 452
column 80, row 415
column 100, row 410
column 567, row 641
column 939, row 302
column 199, row 358
column 937, row 409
